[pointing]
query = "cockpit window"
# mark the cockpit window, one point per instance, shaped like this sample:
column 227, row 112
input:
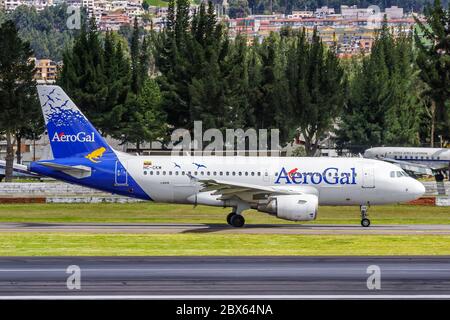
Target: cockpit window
column 398, row 174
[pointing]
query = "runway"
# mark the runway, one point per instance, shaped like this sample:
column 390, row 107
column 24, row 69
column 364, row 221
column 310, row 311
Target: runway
column 222, row 277
column 166, row 228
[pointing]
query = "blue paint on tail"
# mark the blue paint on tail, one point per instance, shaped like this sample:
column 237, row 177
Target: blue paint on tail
column 76, row 143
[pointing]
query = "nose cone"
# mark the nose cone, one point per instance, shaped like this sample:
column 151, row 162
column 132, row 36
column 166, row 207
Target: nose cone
column 417, row 189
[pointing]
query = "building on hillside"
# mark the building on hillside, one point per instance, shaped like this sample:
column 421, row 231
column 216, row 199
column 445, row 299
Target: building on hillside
column 11, row 5
column 323, row 12
column 301, row 14
column 46, row 70
column 394, row 12
column 114, row 20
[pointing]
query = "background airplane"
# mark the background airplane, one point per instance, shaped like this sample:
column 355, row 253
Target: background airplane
column 288, row 188
column 417, row 161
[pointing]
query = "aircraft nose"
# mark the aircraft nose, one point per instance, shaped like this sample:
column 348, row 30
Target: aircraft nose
column 416, row 188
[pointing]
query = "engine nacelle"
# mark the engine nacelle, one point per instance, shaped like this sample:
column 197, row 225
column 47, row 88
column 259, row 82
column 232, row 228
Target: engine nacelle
column 292, row 207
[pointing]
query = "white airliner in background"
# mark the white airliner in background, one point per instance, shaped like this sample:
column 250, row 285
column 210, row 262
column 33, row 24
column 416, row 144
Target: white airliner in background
column 415, row 160
column 288, row 188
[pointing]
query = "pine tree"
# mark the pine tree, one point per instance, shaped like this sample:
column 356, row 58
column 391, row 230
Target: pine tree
column 384, row 107
column 18, row 100
column 97, row 75
column 434, row 63
column 135, row 52
column 144, row 121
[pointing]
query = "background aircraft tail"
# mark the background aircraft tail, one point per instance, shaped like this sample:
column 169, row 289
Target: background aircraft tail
column 70, row 132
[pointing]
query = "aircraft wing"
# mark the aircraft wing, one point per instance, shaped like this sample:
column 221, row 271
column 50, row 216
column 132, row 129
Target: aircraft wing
column 415, row 168
column 249, row 192
column 78, row 171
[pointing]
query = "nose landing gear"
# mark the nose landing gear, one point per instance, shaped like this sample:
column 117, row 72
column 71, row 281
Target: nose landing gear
column 365, row 222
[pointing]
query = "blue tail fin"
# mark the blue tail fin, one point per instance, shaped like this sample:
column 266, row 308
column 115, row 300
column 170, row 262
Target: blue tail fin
column 70, row 132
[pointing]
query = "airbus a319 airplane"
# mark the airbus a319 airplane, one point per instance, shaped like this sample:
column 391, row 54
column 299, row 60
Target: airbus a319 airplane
column 288, row 188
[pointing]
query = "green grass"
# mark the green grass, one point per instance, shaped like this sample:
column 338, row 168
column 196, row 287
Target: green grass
column 65, row 244
column 171, row 213
column 157, row 3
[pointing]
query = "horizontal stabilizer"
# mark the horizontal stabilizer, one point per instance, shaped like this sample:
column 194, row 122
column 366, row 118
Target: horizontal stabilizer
column 78, row 171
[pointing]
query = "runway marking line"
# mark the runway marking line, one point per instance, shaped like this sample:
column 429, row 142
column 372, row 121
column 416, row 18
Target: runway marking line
column 225, row 297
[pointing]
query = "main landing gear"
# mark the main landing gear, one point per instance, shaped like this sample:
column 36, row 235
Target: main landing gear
column 365, row 222
column 235, row 220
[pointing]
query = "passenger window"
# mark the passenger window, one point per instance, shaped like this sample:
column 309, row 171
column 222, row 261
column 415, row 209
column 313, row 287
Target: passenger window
column 202, row 173
column 151, row 173
column 228, row 173
column 240, row 173
column 392, row 174
column 207, row 173
column 259, row 174
column 214, row 173
column 164, row 173
column 176, row 173
column 220, row 173
column 233, row 173
column 246, row 173
column 170, row 173
column 252, row 173
column 145, row 173
column 157, row 173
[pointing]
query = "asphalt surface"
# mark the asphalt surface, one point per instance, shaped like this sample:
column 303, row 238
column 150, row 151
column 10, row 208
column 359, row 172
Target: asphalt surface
column 317, row 229
column 222, row 277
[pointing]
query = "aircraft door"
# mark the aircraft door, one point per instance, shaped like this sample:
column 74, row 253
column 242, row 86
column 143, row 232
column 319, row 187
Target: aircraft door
column 368, row 178
column 121, row 176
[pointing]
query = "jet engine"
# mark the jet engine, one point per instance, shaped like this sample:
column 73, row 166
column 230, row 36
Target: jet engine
column 292, row 207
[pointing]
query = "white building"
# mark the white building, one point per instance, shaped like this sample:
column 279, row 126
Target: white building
column 11, row 5
column 301, row 14
column 324, row 11
column 353, row 12
column 394, row 12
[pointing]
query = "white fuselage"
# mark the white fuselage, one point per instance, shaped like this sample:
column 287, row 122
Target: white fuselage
column 433, row 157
column 336, row 181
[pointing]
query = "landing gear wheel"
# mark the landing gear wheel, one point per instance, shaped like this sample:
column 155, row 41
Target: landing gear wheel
column 365, row 222
column 237, row 221
column 229, row 216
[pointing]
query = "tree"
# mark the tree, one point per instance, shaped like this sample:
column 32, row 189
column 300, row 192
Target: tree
column 17, row 89
column 144, row 119
column 433, row 60
column 273, row 110
column 135, row 58
column 96, row 74
column 316, row 89
column 384, row 105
